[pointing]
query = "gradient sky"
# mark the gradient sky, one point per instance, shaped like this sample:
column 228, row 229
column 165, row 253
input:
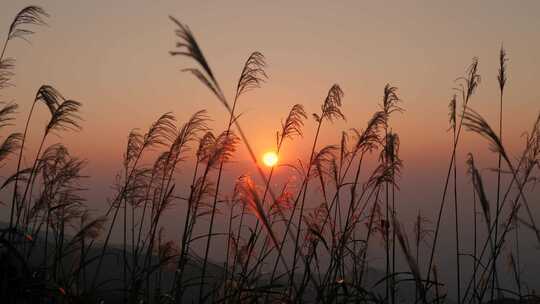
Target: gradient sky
column 113, row 57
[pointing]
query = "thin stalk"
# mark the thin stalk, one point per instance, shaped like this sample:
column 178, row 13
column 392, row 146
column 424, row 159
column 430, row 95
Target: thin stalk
column 418, row 227
column 133, row 248
column 4, row 48
column 475, row 249
column 124, row 252
column 266, row 190
column 467, row 92
column 281, row 139
column 445, row 191
column 31, row 179
column 124, row 249
column 45, row 250
column 214, row 205
column 117, row 200
column 240, row 224
column 387, row 218
column 518, row 263
column 141, row 224
column 227, row 253
column 456, row 218
column 501, row 77
column 19, row 160
column 369, row 232
column 299, row 227
column 394, row 241
column 186, row 238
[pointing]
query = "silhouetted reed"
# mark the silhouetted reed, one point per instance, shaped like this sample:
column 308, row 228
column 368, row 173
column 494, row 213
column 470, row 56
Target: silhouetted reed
column 308, row 239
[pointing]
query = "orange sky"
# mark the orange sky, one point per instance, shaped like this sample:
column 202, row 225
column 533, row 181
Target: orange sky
column 113, row 57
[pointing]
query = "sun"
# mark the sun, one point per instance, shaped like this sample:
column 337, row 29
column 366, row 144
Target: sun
column 270, row 158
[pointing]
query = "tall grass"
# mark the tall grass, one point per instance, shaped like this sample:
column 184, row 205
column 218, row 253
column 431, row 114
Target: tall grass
column 317, row 237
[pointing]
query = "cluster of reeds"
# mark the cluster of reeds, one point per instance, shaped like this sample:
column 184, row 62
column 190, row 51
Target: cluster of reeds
column 313, row 238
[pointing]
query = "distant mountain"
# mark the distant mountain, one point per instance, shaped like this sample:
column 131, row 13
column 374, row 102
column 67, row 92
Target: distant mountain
column 110, row 280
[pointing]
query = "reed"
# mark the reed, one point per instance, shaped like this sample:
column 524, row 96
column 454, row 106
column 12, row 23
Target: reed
column 467, row 86
column 501, row 78
column 309, row 239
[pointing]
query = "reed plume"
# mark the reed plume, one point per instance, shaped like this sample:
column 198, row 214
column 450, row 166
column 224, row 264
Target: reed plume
column 468, row 84
column 6, row 67
column 324, row 164
column 188, row 134
column 49, row 96
column 161, row 132
column 252, row 75
column 391, row 101
column 331, row 107
column 421, row 231
column 13, row 141
column 133, row 147
column 30, row 15
column 91, row 230
column 452, row 112
column 7, row 112
column 476, row 123
column 368, row 139
column 65, row 117
column 10, row 144
column 188, row 46
column 251, row 197
column 502, row 75
column 292, row 126
column 480, row 191
column 222, row 149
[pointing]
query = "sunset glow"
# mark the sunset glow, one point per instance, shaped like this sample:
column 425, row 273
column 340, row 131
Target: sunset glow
column 265, row 151
column 270, row 158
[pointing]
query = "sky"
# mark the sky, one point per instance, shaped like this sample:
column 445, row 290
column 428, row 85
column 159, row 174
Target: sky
column 113, row 57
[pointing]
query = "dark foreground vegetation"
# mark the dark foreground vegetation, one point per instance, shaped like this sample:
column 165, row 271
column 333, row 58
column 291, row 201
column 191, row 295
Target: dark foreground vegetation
column 281, row 244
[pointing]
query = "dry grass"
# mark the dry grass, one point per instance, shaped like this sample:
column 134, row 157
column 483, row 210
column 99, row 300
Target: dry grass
column 313, row 242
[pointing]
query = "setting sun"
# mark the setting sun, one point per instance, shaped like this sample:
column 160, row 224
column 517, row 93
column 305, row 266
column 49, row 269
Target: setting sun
column 270, row 158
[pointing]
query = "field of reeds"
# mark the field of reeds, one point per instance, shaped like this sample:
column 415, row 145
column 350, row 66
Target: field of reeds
column 310, row 239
